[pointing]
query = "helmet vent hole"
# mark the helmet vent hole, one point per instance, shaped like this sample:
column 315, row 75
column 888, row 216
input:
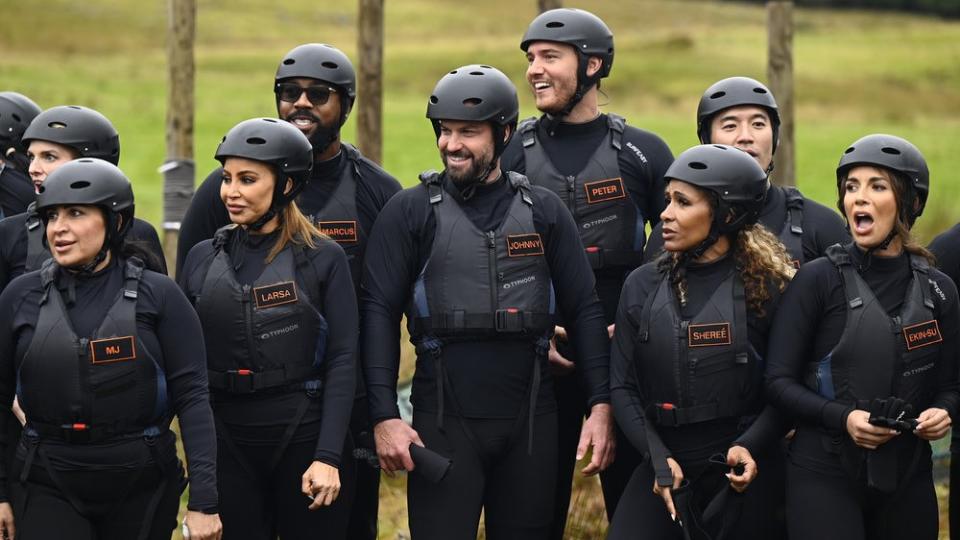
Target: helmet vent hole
column 57, row 125
column 289, row 62
column 472, row 102
column 717, row 95
column 890, row 150
column 476, row 73
column 271, row 120
column 720, row 146
column 759, row 91
column 434, row 100
column 555, row 24
column 486, row 67
column 80, row 184
column 330, row 65
column 256, row 140
column 697, row 165
column 454, row 72
column 848, row 150
column 16, row 117
column 74, row 107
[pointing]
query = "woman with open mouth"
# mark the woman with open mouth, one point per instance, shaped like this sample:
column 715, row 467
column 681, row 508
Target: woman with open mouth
column 863, row 355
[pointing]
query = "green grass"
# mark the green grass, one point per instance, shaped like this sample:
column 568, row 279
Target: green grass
column 856, row 73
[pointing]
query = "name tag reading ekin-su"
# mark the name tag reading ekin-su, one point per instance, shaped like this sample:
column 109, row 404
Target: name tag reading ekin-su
column 921, row 335
column 708, row 335
column 605, row 190
column 117, row 349
column 278, row 294
column 524, row 245
column 339, row 231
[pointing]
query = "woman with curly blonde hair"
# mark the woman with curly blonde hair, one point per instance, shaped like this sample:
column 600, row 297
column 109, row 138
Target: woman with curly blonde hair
column 687, row 359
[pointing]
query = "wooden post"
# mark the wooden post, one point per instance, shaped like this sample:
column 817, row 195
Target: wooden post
column 547, row 5
column 780, row 77
column 178, row 168
column 370, row 84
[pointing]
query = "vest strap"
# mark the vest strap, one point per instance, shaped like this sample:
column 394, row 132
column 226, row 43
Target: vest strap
column 245, row 381
column 605, row 258
column 669, row 415
column 501, row 321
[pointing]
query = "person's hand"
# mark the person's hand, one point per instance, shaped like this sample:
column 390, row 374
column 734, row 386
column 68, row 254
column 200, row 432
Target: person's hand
column 933, row 424
column 558, row 364
column 321, row 483
column 610, row 330
column 6, row 521
column 738, row 455
column 393, row 438
column 865, row 434
column 597, row 432
column 202, row 526
column 18, row 412
column 666, row 493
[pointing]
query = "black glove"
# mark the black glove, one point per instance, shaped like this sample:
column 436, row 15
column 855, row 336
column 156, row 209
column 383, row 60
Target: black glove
column 893, row 413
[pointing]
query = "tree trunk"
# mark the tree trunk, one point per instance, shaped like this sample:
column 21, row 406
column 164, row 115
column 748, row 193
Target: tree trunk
column 547, row 5
column 780, row 77
column 370, row 83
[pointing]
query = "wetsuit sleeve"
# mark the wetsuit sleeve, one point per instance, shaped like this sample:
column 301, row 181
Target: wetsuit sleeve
column 389, row 270
column 828, row 229
column 575, row 285
column 513, row 158
column 205, row 215
column 948, row 390
column 10, row 301
column 792, row 334
column 185, row 366
column 654, row 244
column 340, row 371
column 943, row 246
column 6, row 240
column 643, row 161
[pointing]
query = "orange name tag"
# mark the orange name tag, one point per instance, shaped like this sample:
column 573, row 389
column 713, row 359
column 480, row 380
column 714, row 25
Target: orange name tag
column 708, row 335
column 605, row 190
column 524, row 245
column 118, row 349
column 921, row 335
column 270, row 296
column 339, row 231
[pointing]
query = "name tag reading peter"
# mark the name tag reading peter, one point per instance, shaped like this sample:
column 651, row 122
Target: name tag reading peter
column 921, row 335
column 118, row 349
column 339, row 231
column 524, row 245
column 270, row 296
column 605, row 190
column 708, row 335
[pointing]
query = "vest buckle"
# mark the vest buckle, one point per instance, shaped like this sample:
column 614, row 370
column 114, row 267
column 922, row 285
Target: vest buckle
column 77, row 432
column 595, row 256
column 240, row 381
column 509, row 320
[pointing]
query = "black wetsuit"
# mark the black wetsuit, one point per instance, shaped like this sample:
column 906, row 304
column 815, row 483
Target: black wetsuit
column 261, row 490
column 488, row 377
column 828, row 495
column 16, row 191
column 822, row 227
column 375, row 187
column 643, row 159
column 13, row 245
column 79, row 486
column 692, row 444
column 946, row 247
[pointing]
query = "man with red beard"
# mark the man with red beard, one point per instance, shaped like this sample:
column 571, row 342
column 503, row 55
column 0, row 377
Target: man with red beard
column 315, row 87
column 480, row 261
column 610, row 175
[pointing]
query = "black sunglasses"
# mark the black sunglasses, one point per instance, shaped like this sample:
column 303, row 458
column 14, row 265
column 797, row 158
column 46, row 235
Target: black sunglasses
column 291, row 92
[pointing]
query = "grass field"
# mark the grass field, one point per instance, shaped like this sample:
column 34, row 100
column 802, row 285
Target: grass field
column 856, row 73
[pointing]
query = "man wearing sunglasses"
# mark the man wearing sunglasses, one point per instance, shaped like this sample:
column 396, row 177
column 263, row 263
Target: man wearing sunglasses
column 315, row 87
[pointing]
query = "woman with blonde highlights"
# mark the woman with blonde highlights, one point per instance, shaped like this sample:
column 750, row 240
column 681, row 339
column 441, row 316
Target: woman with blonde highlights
column 687, row 359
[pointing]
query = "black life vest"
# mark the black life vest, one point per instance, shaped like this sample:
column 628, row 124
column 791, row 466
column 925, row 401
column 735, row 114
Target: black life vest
column 610, row 224
column 879, row 356
column 265, row 336
column 339, row 218
column 98, row 387
column 479, row 282
column 37, row 253
column 700, row 369
column 791, row 235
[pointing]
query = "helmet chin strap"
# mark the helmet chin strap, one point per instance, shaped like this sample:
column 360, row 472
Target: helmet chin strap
column 584, row 84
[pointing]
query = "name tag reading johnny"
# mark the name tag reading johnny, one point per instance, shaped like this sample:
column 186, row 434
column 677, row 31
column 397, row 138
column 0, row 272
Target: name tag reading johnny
column 524, row 245
column 605, row 190
column 708, row 335
column 339, row 231
column 921, row 335
column 118, row 349
column 270, row 296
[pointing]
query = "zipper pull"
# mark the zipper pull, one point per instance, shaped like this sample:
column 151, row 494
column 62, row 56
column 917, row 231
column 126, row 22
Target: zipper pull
column 84, row 346
column 491, row 239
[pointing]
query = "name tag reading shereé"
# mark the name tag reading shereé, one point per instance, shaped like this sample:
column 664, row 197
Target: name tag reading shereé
column 278, row 294
column 605, row 190
column 117, row 349
column 524, row 245
column 708, row 335
column 339, row 231
column 921, row 335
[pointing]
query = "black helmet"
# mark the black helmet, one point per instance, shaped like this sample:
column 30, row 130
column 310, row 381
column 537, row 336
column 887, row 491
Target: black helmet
column 85, row 130
column 894, row 153
column 276, row 143
column 736, row 179
column 322, row 62
column 586, row 32
column 735, row 92
column 476, row 93
column 94, row 182
column 16, row 113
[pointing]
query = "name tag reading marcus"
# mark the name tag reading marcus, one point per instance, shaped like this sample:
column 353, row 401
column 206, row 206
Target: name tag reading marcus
column 270, row 296
column 339, row 231
column 708, row 335
column 118, row 349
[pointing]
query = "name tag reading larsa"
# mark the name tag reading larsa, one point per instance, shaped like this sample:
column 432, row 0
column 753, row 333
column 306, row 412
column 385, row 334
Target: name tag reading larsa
column 708, row 335
column 117, row 349
column 921, row 335
column 270, row 296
